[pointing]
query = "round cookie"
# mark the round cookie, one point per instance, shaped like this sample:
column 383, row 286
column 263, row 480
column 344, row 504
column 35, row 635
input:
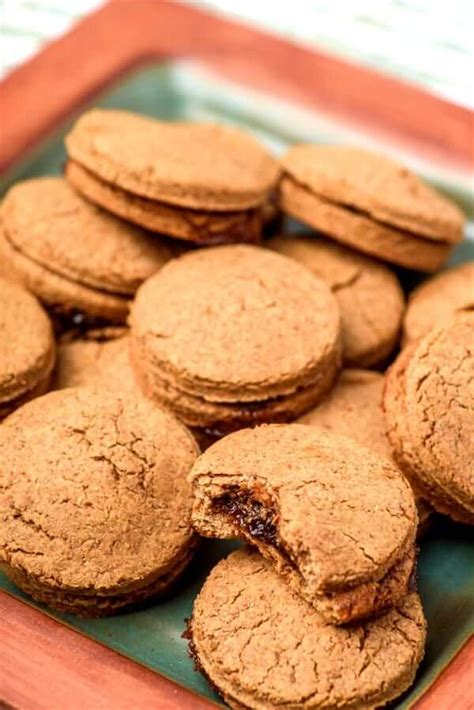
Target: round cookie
column 195, row 165
column 429, row 408
column 100, row 517
column 438, row 300
column 337, row 521
column 27, row 349
column 74, row 256
column 92, row 361
column 262, row 647
column 369, row 295
column 198, row 226
column 353, row 408
column 370, row 203
column 223, row 335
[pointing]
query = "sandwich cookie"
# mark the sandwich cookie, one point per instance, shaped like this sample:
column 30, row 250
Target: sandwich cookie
column 233, row 336
column 203, row 183
column 438, row 300
column 353, row 408
column 369, row 295
column 262, row 647
column 27, row 348
column 337, row 521
column 95, row 505
column 429, row 408
column 93, row 361
column 83, row 264
column 370, row 203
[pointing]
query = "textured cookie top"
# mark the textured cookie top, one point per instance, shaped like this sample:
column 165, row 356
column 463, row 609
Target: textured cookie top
column 237, row 323
column 200, row 165
column 429, row 402
column 377, row 185
column 344, row 514
column 95, row 362
column 47, row 221
column 26, row 341
column 264, row 647
column 369, row 294
column 438, row 300
column 354, row 409
column 93, row 492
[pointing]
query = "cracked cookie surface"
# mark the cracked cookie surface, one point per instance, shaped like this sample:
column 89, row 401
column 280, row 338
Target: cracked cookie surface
column 429, row 408
column 369, row 295
column 332, row 516
column 262, row 647
column 102, row 506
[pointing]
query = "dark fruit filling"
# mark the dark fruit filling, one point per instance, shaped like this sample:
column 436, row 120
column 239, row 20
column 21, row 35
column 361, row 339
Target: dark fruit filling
column 249, row 515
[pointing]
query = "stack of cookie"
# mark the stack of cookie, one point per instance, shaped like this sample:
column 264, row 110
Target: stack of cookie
column 335, row 527
column 327, row 443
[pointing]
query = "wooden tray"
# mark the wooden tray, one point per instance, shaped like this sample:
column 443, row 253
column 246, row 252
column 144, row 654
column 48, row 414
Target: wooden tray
column 44, row 662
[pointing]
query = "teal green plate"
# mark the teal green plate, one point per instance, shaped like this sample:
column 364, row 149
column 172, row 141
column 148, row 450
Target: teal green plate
column 153, row 636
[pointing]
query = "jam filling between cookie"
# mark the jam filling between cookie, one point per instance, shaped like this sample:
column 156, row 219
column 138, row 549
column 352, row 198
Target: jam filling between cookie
column 248, row 514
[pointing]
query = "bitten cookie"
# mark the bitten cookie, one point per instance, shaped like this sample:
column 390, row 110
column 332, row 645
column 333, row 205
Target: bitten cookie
column 369, row 295
column 235, row 335
column 370, row 203
column 353, row 408
column 337, row 521
column 83, row 264
column 95, row 506
column 27, row 349
column 262, row 647
column 429, row 408
column 203, row 183
column 438, row 300
column 92, row 361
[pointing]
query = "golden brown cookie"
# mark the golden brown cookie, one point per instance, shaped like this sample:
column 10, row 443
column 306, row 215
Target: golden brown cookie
column 353, row 408
column 92, row 361
column 370, row 203
column 369, row 295
column 429, row 407
column 337, row 521
column 191, row 225
column 75, row 257
column 205, row 183
column 27, row 349
column 233, row 335
column 100, row 517
column 262, row 647
column 438, row 299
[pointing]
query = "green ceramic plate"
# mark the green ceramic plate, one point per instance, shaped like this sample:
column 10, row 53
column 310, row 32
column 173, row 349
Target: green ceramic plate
column 153, row 636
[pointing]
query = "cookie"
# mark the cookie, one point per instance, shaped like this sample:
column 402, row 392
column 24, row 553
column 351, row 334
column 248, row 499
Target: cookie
column 100, row 517
column 353, row 408
column 262, row 647
column 197, row 226
column 92, row 361
column 369, row 295
column 204, row 183
column 337, row 521
column 75, row 257
column 235, row 335
column 429, row 409
column 27, row 348
column 370, row 203
column 438, row 300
